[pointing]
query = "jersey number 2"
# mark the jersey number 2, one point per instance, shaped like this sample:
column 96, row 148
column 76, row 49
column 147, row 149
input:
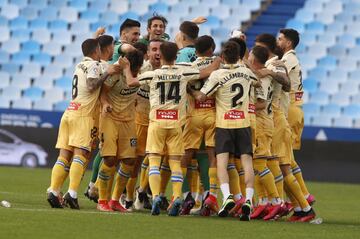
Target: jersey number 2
column 172, row 94
column 240, row 92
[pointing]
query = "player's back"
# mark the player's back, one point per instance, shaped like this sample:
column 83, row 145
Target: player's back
column 84, row 101
column 294, row 70
column 168, row 94
column 232, row 83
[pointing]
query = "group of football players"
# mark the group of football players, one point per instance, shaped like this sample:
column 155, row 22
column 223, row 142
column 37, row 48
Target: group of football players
column 151, row 107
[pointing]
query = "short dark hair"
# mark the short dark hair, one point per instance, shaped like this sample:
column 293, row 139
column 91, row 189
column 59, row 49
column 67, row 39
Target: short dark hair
column 105, row 41
column 190, row 29
column 292, row 35
column 268, row 40
column 169, row 51
column 156, row 17
column 242, row 45
column 231, row 52
column 136, row 59
column 156, row 40
column 141, row 47
column 89, row 46
column 204, row 43
column 260, row 53
column 128, row 23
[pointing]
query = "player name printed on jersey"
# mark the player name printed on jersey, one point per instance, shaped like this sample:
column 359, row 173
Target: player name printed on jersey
column 234, row 115
column 167, row 114
column 207, row 104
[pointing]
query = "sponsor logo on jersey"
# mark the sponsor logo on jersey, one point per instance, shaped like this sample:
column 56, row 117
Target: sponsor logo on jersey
column 252, row 108
column 299, row 95
column 209, row 103
column 167, row 114
column 73, row 106
column 143, row 93
column 234, row 115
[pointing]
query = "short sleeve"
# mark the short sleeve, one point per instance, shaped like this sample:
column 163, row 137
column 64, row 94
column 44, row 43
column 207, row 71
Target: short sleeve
column 146, row 77
column 211, row 85
column 290, row 61
column 94, row 71
column 191, row 74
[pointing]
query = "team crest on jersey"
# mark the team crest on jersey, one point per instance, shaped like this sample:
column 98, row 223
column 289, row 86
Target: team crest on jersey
column 133, row 142
column 234, row 115
column 167, row 114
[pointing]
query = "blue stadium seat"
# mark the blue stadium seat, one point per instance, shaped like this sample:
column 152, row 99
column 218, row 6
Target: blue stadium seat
column 348, row 64
column 62, row 37
column 5, row 79
column 58, row 25
column 42, row 58
column 30, row 47
column 338, row 50
column 43, row 83
column 41, row 35
column 57, row 3
column 310, row 85
column 252, row 4
column 296, row 24
column 109, row 17
column 38, row 24
column 231, row 2
column 220, row 32
column 53, row 71
column 320, row 97
column 338, row 27
column 330, row 87
column 131, row 15
column 19, row 3
column 42, row 105
column 4, row 102
column 350, row 87
column 333, row 110
column 339, row 75
column 21, row 35
column 340, row 99
column 315, row 27
column 119, row 6
column 343, row 122
column 354, row 52
column 328, row 62
column 317, row 50
column 311, row 109
column 159, row 7
column 81, row 26
column 63, row 82
column 11, row 92
column 29, row 13
column 20, row 80
column 4, row 57
column 11, row 68
column 20, row 58
column 3, row 21
column 10, row 11
column 90, row 16
column 33, row 93
column 304, row 16
column 99, row 6
column 52, row 48
column 40, row 4
column 307, row 60
column 199, row 10
column 61, row 106
column 221, row 11
column 31, row 69
column 19, row 23
column 345, row 17
column 333, row 6
column 4, row 34
column 354, row 75
column 328, row 38
column 347, row 40
column 54, row 94
column 325, row 17
column 64, row 60
column 68, row 14
column 322, row 120
column 49, row 13
column 212, row 21
column 308, row 39
column 352, row 111
column 23, row 103
column 73, row 50
column 79, row 5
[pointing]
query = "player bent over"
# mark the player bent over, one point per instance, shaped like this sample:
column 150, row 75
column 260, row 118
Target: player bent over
column 231, row 86
column 77, row 127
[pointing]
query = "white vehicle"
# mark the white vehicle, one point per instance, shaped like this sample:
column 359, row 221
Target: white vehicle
column 15, row 151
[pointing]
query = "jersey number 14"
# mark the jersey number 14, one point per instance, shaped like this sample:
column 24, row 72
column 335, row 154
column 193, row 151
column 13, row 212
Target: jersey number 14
column 173, row 92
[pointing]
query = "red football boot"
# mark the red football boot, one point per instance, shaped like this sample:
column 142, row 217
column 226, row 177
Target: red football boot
column 260, row 211
column 116, row 206
column 103, row 206
column 311, row 199
column 273, row 211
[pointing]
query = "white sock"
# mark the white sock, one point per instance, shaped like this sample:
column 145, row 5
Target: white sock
column 72, row 193
column 91, row 184
column 308, row 208
column 205, row 194
column 276, row 201
column 306, row 196
column 297, row 209
column 263, row 201
column 237, row 196
column 140, row 190
column 225, row 189
column 185, row 194
column 54, row 192
column 194, row 195
column 249, row 194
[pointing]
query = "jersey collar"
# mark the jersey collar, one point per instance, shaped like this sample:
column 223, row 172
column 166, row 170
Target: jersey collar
column 231, row 66
column 272, row 59
column 289, row 52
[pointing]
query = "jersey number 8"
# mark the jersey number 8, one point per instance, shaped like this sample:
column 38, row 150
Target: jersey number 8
column 74, row 87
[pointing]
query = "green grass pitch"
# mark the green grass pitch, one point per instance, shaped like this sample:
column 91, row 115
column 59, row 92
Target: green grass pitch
column 31, row 217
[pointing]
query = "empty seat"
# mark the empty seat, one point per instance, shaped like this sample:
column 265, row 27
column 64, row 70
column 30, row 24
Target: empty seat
column 212, row 21
column 32, row 69
column 322, row 121
column 64, row 82
column 23, row 103
column 49, row 13
column 109, row 17
column 20, row 34
column 332, row 110
column 58, row 25
column 54, row 94
column 31, row 47
column 338, row 75
column 11, row 46
column 338, row 50
column 320, row 97
column 68, row 14
column 79, row 27
column 4, row 103
column 42, row 58
column 52, row 48
column 20, row 80
column 10, row 11
column 43, row 83
column 346, row 40
column 11, row 68
column 328, row 62
column 11, row 92
column 64, row 60
column 340, row 99
column 62, row 37
column 79, row 5
column 311, row 109
column 343, row 122
column 4, row 79
column 19, row 23
column 29, row 13
column 119, row 6
column 310, row 85
column 352, row 111
column 159, row 7
column 304, row 16
column 42, row 105
column 38, row 23
column 296, row 24
column 53, row 71
column 33, row 93
column 4, row 34
column 20, row 58
column 221, row 11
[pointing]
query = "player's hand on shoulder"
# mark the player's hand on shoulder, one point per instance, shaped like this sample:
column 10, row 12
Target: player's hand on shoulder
column 278, row 63
column 262, row 73
column 199, row 20
column 114, row 69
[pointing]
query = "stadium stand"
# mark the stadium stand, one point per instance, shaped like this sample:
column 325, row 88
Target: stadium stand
column 40, row 42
